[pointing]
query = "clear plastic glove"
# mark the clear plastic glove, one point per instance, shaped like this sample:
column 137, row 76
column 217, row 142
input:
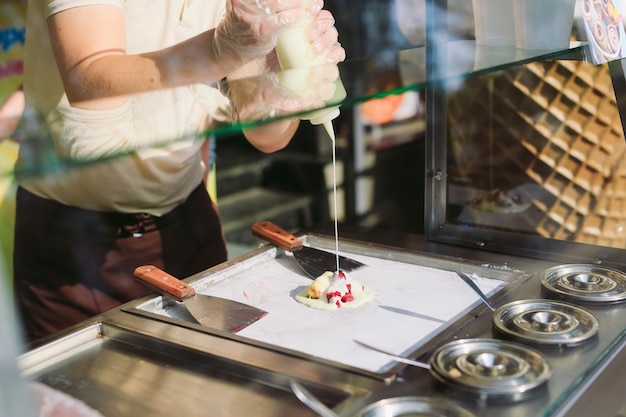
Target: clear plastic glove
column 273, row 95
column 250, row 27
column 324, row 37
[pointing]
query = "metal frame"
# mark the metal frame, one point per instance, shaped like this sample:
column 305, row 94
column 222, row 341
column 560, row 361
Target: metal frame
column 435, row 226
column 435, row 105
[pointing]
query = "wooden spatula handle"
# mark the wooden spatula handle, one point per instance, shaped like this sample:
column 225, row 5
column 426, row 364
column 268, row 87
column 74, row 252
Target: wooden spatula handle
column 276, row 235
column 164, row 282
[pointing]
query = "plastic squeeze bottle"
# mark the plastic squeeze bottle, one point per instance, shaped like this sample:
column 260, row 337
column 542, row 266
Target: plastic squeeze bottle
column 296, row 56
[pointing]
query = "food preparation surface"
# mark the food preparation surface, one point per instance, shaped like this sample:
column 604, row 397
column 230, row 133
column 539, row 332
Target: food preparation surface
column 175, row 353
column 412, row 303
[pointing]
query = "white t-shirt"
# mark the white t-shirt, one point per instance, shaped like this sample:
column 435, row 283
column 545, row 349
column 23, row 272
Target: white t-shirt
column 152, row 178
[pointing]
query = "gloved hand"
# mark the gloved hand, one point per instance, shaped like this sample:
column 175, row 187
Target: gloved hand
column 324, row 37
column 250, row 27
column 272, row 95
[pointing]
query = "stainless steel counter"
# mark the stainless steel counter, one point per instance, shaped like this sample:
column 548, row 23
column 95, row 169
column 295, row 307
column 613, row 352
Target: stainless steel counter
column 132, row 361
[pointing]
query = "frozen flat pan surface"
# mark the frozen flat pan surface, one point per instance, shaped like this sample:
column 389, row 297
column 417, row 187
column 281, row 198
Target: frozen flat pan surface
column 412, row 303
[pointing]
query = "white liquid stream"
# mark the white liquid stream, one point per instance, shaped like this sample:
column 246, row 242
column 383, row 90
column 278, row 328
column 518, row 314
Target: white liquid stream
column 335, row 200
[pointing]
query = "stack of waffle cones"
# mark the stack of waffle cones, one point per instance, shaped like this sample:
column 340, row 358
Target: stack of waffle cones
column 554, row 125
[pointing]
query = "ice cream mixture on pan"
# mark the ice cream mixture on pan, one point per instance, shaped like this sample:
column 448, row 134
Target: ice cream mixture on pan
column 333, row 290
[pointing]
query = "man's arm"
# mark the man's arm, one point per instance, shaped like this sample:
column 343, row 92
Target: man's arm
column 89, row 46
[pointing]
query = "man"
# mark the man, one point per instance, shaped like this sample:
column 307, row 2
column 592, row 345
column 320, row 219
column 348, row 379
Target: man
column 132, row 83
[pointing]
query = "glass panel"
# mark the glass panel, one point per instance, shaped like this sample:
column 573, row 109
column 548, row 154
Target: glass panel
column 365, row 78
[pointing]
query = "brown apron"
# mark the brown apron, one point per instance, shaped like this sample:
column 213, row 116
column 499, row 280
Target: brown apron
column 71, row 264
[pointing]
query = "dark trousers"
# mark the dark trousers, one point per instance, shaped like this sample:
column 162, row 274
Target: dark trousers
column 71, row 264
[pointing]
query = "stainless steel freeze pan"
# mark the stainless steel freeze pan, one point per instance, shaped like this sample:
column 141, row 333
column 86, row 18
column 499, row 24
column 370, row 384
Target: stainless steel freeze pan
column 416, row 298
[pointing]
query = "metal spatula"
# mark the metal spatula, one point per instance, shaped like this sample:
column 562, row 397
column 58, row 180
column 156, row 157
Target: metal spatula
column 313, row 261
column 214, row 312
